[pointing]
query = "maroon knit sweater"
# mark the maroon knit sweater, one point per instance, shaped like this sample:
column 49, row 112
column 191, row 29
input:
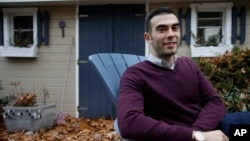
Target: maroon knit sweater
column 157, row 103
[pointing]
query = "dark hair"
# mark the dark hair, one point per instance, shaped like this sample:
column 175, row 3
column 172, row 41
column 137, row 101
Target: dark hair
column 155, row 12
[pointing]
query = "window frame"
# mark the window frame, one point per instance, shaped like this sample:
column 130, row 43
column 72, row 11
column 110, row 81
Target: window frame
column 7, row 50
column 212, row 51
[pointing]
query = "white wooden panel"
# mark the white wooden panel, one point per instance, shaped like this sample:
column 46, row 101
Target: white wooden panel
column 32, row 74
column 68, row 31
column 69, row 23
column 39, row 82
column 52, row 49
column 60, row 57
column 58, row 40
column 31, row 66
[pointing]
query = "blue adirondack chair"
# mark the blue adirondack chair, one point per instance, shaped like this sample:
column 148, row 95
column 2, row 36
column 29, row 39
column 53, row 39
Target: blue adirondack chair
column 110, row 67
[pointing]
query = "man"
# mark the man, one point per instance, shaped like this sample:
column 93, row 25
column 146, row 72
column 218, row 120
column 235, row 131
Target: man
column 166, row 97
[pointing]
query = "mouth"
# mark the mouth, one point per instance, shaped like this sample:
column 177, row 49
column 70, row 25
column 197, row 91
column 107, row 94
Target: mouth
column 169, row 43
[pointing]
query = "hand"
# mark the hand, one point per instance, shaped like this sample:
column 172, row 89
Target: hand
column 216, row 135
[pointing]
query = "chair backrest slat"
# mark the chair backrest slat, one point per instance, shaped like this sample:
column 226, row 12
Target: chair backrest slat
column 111, row 66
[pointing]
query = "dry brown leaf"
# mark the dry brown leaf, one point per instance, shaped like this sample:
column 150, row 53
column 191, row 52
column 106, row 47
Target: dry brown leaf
column 75, row 129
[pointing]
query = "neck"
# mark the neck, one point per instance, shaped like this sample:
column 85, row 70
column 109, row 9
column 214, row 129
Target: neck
column 168, row 59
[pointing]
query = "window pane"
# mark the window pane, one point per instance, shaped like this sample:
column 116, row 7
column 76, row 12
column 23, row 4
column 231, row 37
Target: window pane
column 209, row 18
column 209, row 28
column 23, row 39
column 23, row 22
column 23, row 30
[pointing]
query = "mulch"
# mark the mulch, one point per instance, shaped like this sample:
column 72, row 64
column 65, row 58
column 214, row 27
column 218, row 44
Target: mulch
column 73, row 129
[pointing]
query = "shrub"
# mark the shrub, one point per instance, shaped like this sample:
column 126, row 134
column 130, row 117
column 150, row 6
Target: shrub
column 230, row 75
column 5, row 99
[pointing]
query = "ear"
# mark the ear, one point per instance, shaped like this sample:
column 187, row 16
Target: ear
column 148, row 37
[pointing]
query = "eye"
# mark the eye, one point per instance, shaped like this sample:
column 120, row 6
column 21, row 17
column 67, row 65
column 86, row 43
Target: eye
column 176, row 28
column 161, row 29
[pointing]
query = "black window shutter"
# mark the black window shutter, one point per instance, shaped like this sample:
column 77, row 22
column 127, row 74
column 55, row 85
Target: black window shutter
column 234, row 24
column 187, row 16
column 188, row 26
column 235, row 15
column 46, row 28
column 39, row 28
column 180, row 17
column 1, row 29
column 242, row 25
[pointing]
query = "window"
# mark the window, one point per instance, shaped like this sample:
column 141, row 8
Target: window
column 20, row 32
column 210, row 29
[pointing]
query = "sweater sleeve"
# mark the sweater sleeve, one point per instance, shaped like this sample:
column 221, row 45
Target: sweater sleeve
column 212, row 107
column 133, row 123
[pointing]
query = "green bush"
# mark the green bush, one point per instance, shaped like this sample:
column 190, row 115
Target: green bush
column 230, row 75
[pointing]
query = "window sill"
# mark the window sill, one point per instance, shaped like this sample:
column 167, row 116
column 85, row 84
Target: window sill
column 210, row 51
column 10, row 51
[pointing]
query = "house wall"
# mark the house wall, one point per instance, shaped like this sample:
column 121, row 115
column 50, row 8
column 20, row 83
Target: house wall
column 184, row 49
column 54, row 65
column 56, row 62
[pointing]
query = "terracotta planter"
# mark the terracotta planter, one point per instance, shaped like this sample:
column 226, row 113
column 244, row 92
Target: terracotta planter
column 29, row 118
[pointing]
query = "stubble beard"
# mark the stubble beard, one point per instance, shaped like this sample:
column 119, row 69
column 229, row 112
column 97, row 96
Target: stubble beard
column 168, row 54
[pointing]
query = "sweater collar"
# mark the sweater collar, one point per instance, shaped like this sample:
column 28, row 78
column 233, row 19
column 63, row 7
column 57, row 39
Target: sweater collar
column 162, row 63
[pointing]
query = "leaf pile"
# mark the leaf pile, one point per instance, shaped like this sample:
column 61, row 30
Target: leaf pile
column 74, row 129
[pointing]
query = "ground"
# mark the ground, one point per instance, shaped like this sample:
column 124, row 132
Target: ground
column 73, row 129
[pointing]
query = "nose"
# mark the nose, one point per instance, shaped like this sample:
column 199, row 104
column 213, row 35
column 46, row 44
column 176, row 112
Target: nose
column 170, row 33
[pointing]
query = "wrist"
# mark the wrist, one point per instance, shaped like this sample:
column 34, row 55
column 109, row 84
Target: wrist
column 193, row 138
column 198, row 136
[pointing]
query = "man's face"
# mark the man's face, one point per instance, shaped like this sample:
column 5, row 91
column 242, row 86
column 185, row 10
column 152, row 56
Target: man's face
column 165, row 35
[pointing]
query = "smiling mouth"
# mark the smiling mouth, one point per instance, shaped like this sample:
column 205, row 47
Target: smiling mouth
column 170, row 43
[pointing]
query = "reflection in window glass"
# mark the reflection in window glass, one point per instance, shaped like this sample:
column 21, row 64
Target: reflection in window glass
column 209, row 28
column 23, row 31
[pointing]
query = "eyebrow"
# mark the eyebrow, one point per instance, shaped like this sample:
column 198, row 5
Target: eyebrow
column 164, row 25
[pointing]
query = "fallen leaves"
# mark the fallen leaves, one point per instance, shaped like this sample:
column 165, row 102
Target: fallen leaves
column 26, row 100
column 74, row 129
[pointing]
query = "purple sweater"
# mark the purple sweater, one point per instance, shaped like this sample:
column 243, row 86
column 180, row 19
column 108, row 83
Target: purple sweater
column 156, row 103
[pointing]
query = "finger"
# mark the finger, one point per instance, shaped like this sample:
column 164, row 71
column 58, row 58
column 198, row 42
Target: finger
column 225, row 138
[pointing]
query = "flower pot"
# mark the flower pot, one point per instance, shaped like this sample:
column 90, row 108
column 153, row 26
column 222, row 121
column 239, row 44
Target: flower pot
column 29, row 118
